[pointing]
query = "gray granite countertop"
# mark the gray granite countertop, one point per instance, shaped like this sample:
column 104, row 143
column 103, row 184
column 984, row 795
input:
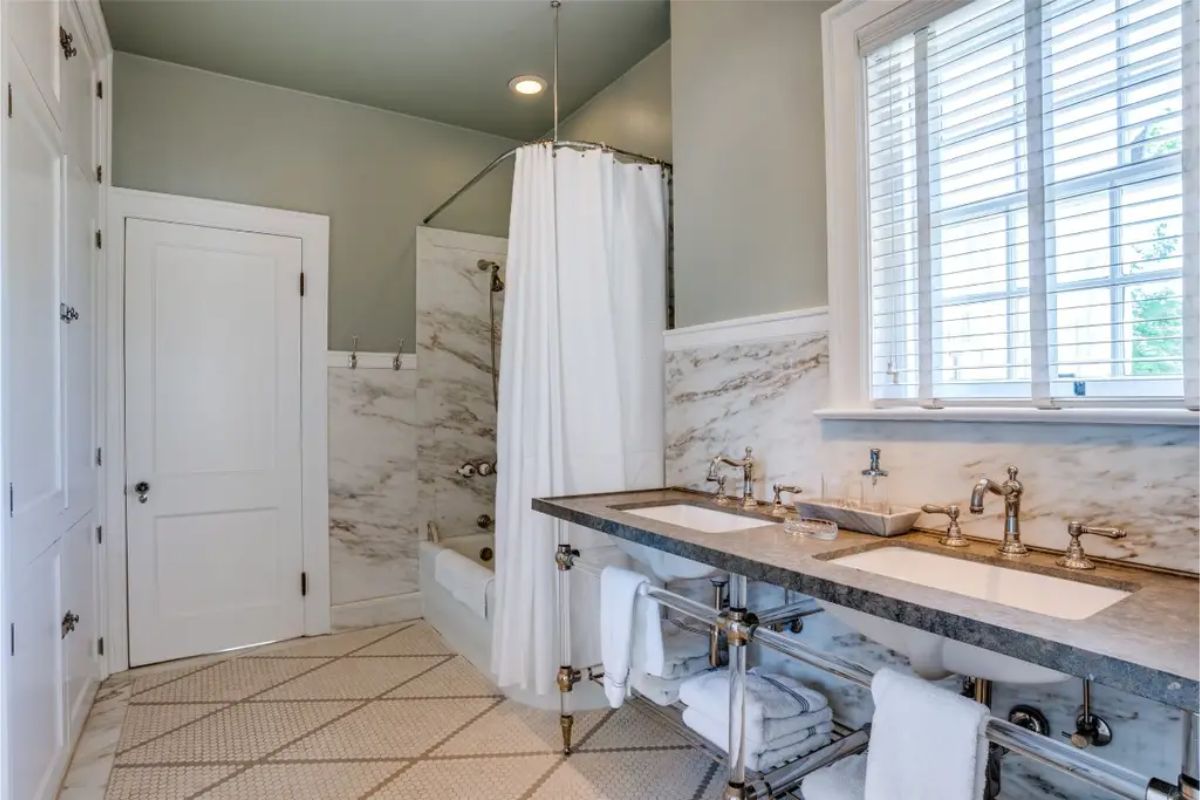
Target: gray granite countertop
column 1147, row 643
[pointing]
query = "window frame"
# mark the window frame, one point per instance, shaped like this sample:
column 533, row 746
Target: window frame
column 848, row 235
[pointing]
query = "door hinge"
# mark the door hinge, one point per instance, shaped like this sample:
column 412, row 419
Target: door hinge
column 100, row 646
column 302, row 284
column 10, row 500
column 99, row 173
column 99, row 239
column 99, row 534
column 10, row 101
column 303, row 584
column 12, row 638
column 100, row 89
column 99, row 457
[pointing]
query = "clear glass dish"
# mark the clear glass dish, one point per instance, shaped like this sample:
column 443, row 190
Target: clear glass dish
column 812, row 528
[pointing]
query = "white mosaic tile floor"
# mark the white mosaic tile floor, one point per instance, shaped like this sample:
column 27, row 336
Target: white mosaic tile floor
column 384, row 713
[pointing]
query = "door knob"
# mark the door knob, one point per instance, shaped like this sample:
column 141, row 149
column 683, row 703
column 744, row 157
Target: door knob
column 142, row 489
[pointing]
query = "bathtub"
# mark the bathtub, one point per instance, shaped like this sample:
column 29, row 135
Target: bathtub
column 470, row 634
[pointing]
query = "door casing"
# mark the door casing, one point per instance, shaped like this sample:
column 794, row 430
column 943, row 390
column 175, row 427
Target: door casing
column 313, row 231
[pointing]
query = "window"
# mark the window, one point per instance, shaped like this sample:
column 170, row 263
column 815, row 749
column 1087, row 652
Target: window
column 1032, row 204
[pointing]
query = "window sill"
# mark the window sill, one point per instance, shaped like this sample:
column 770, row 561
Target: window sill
column 1068, row 416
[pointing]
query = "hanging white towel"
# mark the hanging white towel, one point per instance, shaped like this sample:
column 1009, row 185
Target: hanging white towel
column 776, row 704
column 844, row 779
column 466, row 580
column 944, row 757
column 760, row 756
column 619, row 590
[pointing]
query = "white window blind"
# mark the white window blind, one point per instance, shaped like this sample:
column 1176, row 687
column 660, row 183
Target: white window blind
column 1033, row 205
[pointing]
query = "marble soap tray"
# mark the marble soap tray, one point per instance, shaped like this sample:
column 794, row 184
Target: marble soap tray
column 863, row 520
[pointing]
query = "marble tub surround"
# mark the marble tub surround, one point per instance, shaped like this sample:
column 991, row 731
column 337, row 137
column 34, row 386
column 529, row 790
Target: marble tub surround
column 1145, row 644
column 725, row 397
column 374, row 528
column 454, row 390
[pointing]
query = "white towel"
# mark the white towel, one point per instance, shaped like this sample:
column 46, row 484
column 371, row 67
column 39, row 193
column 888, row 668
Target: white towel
column 760, row 756
column 776, row 705
column 945, row 756
column 663, row 650
column 844, row 779
column 618, row 598
column 466, row 580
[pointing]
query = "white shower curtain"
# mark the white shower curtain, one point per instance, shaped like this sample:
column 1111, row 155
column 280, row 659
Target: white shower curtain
column 581, row 380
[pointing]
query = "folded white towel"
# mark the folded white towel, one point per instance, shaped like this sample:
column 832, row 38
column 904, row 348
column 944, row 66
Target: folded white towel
column 844, row 779
column 945, row 759
column 665, row 651
column 618, row 598
column 776, row 705
column 760, row 756
column 661, row 691
column 466, row 580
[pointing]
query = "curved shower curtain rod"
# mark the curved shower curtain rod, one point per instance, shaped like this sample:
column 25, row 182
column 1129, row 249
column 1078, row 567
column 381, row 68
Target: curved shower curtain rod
column 634, row 157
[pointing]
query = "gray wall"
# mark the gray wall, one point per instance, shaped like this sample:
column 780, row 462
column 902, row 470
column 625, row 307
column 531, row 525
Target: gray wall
column 633, row 112
column 748, row 124
column 375, row 173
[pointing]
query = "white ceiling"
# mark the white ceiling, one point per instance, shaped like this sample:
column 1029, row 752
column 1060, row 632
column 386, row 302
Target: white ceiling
column 447, row 60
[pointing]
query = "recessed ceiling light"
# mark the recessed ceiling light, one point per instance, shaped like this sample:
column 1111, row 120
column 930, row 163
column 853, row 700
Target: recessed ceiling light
column 527, row 84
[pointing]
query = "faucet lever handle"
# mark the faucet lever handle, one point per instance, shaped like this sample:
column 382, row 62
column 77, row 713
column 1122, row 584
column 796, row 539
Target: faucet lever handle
column 950, row 511
column 1075, row 558
column 778, row 509
column 954, row 535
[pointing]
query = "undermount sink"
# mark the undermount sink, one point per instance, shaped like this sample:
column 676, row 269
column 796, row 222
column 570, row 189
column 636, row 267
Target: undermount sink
column 934, row 656
column 670, row 567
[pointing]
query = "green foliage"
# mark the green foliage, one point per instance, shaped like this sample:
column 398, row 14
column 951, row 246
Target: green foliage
column 1158, row 316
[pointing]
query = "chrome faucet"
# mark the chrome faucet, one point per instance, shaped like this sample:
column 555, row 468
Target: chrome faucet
column 747, row 465
column 1011, row 490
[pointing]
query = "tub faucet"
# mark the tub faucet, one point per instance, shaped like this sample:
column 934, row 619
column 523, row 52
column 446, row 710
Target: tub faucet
column 747, row 465
column 1011, row 490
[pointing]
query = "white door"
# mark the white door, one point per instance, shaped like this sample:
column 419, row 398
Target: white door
column 212, row 417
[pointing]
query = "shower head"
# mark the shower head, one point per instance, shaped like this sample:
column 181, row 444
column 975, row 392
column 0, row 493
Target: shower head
column 483, row 264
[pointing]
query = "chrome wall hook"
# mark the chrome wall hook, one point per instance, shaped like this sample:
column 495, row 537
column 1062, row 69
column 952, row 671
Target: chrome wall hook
column 354, row 354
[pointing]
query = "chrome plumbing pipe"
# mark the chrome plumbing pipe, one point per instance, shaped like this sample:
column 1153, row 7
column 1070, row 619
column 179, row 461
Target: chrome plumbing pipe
column 789, row 612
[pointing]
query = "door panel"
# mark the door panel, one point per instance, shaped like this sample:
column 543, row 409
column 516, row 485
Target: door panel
column 80, row 663
column 80, row 395
column 33, row 26
column 35, row 690
column 34, row 334
column 213, row 426
column 79, row 94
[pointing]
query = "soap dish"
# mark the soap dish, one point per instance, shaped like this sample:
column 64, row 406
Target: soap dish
column 863, row 520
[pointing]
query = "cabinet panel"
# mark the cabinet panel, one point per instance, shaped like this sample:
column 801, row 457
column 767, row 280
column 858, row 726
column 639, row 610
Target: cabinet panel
column 33, row 333
column 79, row 94
column 80, row 663
column 82, row 206
column 34, row 29
column 36, row 715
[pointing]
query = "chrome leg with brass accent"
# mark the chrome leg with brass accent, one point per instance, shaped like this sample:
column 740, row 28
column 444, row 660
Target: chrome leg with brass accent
column 567, row 676
column 719, row 582
column 738, row 626
column 1189, row 778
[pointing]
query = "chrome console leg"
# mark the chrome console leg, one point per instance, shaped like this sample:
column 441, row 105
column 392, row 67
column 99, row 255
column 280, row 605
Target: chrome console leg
column 1189, row 778
column 714, row 633
column 982, row 688
column 738, row 636
column 567, row 676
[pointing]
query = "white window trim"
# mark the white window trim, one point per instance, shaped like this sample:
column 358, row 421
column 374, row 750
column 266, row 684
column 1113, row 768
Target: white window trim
column 848, row 259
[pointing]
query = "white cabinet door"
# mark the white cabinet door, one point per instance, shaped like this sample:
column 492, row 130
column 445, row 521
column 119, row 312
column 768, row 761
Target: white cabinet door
column 36, row 717
column 34, row 27
column 33, row 333
column 82, row 221
column 81, row 665
column 79, row 95
column 212, row 419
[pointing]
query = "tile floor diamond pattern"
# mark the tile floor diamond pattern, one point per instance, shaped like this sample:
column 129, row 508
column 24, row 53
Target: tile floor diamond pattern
column 382, row 713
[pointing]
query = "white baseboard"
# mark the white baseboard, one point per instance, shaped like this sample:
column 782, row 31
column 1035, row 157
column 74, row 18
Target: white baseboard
column 784, row 325
column 376, row 611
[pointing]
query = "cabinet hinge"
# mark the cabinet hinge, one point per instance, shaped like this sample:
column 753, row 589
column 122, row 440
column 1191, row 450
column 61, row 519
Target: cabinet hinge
column 99, row 173
column 100, row 646
column 12, row 638
column 99, row 534
column 99, row 239
column 10, row 500
column 10, row 101
column 303, row 584
column 100, row 89
column 302, row 284
column 99, row 457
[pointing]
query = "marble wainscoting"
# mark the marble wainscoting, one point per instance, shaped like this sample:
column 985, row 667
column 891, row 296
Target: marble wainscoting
column 730, row 386
column 374, row 526
column 454, row 390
